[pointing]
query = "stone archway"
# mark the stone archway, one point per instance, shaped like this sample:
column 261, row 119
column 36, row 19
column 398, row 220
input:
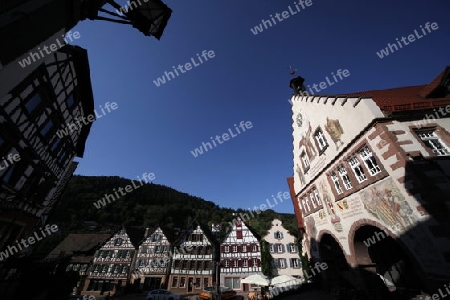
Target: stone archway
column 382, row 262
column 333, row 255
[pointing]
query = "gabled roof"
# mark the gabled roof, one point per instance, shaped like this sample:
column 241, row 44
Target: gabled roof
column 169, row 233
column 407, row 98
column 75, row 244
column 209, row 235
column 255, row 234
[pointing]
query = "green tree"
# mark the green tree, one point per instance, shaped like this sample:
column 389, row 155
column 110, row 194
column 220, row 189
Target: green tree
column 266, row 259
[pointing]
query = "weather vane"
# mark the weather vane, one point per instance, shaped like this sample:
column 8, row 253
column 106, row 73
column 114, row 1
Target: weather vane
column 292, row 71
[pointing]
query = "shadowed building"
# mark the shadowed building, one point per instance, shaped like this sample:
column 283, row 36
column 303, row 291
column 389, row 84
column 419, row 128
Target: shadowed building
column 195, row 260
column 371, row 184
column 154, row 258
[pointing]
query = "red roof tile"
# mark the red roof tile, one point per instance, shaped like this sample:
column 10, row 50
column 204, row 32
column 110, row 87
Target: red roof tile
column 406, row 98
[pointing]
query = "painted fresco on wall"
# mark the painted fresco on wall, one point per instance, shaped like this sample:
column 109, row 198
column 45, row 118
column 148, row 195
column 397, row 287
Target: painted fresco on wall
column 300, row 175
column 350, row 207
column 334, row 129
column 385, row 202
column 330, row 207
column 311, row 230
column 306, row 141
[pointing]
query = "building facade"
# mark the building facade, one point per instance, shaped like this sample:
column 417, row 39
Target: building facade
column 112, row 264
column 240, row 256
column 153, row 259
column 76, row 252
column 195, row 260
column 284, row 250
column 371, row 184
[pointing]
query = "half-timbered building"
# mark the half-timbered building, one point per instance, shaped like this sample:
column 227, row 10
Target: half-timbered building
column 195, row 260
column 34, row 104
column 153, row 260
column 75, row 254
column 240, row 255
column 284, row 250
column 112, row 264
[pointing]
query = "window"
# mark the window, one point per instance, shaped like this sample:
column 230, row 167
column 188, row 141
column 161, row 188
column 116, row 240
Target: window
column 278, row 235
column 175, row 281
column 55, row 144
column 255, row 262
column 357, row 169
column 305, row 161
column 205, row 282
column 33, row 102
column 46, row 130
column 70, row 101
column 320, row 139
column 316, row 194
column 200, row 264
column 182, row 282
column 184, row 264
column 282, row 263
column 198, row 283
column 227, row 249
column 336, row 182
column 226, row 263
column 235, row 263
column 305, row 202
column 432, row 141
column 177, row 264
column 233, row 282
column 234, row 248
column 156, row 237
column 369, row 160
column 344, row 176
column 244, row 248
column 313, row 200
column 272, row 248
column 280, row 248
column 239, row 234
column 255, row 248
column 292, row 248
column 245, row 263
column 118, row 242
column 295, row 263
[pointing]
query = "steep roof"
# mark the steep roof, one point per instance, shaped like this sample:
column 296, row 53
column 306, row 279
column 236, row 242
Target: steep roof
column 408, row 98
column 255, row 234
column 212, row 239
column 78, row 243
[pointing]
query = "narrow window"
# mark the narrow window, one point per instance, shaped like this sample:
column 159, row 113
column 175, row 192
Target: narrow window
column 336, row 182
column 357, row 169
column 369, row 160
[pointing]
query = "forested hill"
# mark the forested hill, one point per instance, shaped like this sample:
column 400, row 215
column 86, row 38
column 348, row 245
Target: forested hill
column 145, row 206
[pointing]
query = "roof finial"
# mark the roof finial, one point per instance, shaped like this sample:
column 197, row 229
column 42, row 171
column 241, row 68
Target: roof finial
column 292, row 71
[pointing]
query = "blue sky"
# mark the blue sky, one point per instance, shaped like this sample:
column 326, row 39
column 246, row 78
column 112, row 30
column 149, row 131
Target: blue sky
column 154, row 129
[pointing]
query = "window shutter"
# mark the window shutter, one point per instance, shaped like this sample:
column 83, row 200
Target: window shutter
column 222, row 249
column 250, row 262
column 240, row 263
column 283, row 248
column 259, row 262
column 239, row 248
